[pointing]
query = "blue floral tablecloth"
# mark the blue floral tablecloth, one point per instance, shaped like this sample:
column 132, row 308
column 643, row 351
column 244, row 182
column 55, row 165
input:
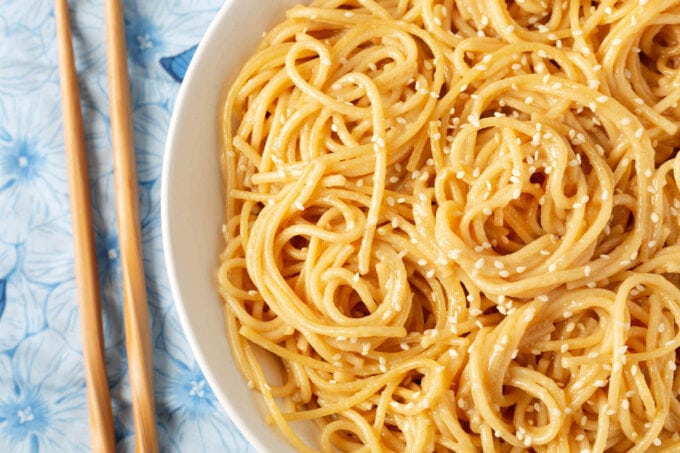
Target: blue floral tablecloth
column 43, row 404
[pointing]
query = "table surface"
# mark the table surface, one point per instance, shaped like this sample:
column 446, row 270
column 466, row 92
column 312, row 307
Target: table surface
column 43, row 405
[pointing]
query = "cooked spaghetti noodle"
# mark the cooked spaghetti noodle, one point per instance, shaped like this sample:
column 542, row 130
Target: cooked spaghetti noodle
column 455, row 224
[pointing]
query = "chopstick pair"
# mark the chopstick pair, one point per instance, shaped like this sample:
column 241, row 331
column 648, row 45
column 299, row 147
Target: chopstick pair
column 137, row 326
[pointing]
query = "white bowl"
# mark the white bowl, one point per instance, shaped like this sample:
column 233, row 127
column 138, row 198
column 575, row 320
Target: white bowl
column 192, row 210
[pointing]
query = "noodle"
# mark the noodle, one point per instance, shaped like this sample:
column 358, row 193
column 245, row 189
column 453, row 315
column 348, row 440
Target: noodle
column 455, row 224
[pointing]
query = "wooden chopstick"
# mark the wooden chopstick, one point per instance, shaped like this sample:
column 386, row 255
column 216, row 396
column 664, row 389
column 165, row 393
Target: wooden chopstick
column 137, row 326
column 99, row 403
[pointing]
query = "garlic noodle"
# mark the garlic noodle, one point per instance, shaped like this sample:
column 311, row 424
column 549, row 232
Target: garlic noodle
column 455, row 224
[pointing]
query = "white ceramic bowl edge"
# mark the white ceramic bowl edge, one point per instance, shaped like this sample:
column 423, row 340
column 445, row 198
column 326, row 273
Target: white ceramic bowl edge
column 192, row 210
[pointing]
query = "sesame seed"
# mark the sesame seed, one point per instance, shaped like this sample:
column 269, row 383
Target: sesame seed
column 454, row 254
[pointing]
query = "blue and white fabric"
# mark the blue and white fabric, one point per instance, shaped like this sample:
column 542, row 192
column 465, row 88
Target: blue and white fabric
column 43, row 405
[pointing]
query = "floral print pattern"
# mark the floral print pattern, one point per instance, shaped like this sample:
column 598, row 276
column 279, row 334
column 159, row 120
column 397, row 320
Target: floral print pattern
column 43, row 404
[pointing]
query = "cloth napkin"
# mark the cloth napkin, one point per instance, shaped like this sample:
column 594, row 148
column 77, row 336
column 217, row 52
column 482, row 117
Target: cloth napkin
column 43, row 404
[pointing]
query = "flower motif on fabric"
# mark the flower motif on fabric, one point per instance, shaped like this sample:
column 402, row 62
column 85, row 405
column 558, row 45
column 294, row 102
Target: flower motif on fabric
column 8, row 258
column 18, row 74
column 152, row 31
column 191, row 411
column 46, row 400
column 32, row 164
column 177, row 65
column 21, row 301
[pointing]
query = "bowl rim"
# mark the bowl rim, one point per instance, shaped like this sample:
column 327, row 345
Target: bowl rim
column 202, row 53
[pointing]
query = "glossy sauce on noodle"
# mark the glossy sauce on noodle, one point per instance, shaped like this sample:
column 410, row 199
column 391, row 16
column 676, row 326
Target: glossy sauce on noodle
column 455, row 223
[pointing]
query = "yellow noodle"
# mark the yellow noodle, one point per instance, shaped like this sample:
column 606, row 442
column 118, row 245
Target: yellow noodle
column 454, row 224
